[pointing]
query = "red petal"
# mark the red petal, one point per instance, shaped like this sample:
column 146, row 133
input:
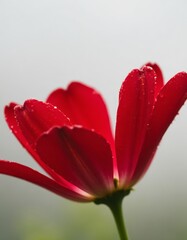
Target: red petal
column 159, row 77
column 135, row 106
column 80, row 156
column 30, row 175
column 85, row 107
column 169, row 101
column 36, row 117
column 15, row 127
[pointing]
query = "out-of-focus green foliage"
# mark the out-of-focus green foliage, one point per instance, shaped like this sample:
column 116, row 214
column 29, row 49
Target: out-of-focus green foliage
column 85, row 222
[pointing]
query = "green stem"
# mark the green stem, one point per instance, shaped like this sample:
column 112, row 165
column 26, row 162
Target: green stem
column 114, row 202
column 116, row 209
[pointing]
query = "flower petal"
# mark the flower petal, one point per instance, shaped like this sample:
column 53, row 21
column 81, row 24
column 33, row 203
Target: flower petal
column 80, row 156
column 14, row 125
column 85, row 107
column 135, row 106
column 36, row 117
column 169, row 101
column 30, row 175
column 159, row 77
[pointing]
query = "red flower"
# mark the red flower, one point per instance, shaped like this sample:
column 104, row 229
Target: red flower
column 71, row 138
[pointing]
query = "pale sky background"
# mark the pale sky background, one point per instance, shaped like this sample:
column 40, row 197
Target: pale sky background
column 45, row 44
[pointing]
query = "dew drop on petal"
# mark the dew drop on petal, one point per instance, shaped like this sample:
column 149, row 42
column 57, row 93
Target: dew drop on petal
column 161, row 95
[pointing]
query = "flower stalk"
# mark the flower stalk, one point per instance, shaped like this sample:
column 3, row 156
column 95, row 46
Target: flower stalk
column 114, row 202
column 116, row 210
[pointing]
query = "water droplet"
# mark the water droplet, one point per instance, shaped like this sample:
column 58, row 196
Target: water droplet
column 161, row 95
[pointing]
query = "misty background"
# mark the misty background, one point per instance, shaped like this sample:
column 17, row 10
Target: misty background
column 45, row 44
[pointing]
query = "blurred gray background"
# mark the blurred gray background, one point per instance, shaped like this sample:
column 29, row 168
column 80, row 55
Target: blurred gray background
column 44, row 44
